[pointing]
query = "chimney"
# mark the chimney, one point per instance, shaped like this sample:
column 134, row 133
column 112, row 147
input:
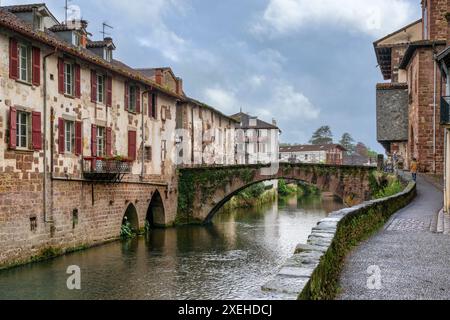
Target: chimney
column 179, row 86
column 274, row 122
column 159, row 76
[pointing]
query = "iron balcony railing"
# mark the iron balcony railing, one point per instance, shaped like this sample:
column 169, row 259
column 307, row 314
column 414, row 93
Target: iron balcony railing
column 103, row 169
column 445, row 110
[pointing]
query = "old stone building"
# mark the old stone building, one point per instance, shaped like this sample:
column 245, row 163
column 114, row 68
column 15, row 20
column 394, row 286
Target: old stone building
column 257, row 142
column 85, row 140
column 407, row 107
column 332, row 154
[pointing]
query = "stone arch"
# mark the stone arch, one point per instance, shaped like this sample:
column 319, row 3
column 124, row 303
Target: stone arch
column 156, row 216
column 131, row 216
column 230, row 195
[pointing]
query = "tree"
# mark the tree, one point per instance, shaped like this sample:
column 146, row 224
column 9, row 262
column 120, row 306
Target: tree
column 348, row 142
column 362, row 150
column 323, row 135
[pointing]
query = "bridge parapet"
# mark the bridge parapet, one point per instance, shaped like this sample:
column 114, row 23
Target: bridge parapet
column 202, row 191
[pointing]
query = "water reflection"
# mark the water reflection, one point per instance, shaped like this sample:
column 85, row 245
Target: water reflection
column 230, row 259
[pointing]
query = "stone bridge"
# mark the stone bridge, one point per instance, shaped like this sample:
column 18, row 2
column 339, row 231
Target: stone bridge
column 204, row 190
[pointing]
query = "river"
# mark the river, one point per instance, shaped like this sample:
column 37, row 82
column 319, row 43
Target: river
column 230, row 259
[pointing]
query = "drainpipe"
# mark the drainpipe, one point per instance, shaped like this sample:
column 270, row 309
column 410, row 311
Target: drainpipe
column 143, row 132
column 445, row 170
column 45, row 132
column 434, row 114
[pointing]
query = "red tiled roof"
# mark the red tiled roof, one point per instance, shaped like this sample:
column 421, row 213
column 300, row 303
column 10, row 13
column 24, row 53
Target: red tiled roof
column 311, row 148
column 12, row 22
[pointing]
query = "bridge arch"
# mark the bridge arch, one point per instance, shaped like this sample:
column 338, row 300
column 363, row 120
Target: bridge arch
column 156, row 216
column 131, row 217
column 234, row 193
column 202, row 191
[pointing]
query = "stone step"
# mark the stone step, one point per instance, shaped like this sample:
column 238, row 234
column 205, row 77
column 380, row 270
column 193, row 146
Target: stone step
column 440, row 224
column 434, row 223
column 447, row 224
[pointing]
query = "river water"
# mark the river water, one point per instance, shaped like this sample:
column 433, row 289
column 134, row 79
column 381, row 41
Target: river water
column 230, row 259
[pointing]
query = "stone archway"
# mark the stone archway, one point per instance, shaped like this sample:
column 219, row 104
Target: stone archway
column 156, row 217
column 131, row 217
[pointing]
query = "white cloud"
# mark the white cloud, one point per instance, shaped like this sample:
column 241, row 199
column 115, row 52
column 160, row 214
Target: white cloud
column 290, row 105
column 223, row 99
column 372, row 17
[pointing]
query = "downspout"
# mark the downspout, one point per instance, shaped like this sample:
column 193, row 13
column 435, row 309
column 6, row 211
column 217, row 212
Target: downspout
column 434, row 113
column 142, row 131
column 45, row 132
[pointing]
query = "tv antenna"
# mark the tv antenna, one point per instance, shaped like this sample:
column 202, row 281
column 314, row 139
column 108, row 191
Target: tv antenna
column 66, row 9
column 103, row 32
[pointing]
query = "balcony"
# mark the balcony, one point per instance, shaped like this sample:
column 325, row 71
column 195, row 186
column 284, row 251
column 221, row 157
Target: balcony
column 106, row 170
column 445, row 111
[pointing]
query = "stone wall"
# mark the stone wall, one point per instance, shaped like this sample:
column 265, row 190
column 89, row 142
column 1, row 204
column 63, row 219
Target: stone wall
column 313, row 272
column 203, row 191
column 82, row 214
column 392, row 112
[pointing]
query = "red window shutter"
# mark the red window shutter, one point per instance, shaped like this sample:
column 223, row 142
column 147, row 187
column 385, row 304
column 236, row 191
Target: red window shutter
column 78, row 138
column 12, row 128
column 152, row 105
column 61, row 134
column 61, row 76
column 93, row 86
column 109, row 91
column 138, row 100
column 94, row 140
column 77, row 80
column 155, row 106
column 127, row 97
column 108, row 142
column 13, row 59
column 36, row 67
column 36, row 130
column 132, row 145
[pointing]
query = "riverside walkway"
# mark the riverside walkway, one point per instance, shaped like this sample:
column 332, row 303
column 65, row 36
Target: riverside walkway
column 412, row 261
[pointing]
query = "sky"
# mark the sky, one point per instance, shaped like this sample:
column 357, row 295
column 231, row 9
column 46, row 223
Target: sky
column 305, row 63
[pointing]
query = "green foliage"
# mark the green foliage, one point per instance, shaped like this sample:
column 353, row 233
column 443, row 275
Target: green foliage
column 126, row 231
column 252, row 192
column 347, row 142
column 284, row 189
column 393, row 188
column 384, row 185
column 323, row 135
column 207, row 181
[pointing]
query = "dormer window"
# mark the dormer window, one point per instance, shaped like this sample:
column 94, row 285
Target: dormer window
column 107, row 55
column 38, row 22
column 76, row 39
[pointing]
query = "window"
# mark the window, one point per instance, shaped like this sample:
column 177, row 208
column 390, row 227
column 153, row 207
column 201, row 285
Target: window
column 69, row 136
column 76, row 39
column 68, row 78
column 148, row 153
column 38, row 22
column 101, row 146
column 163, row 150
column 132, row 98
column 107, row 55
column 100, row 88
column 33, row 224
column 24, row 52
column 23, row 131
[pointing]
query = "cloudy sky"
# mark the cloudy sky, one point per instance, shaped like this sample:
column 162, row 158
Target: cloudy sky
column 305, row 63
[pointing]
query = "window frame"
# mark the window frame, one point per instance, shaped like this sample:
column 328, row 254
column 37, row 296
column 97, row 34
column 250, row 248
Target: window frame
column 132, row 98
column 163, row 150
column 101, row 142
column 19, row 134
column 66, row 78
column 101, row 82
column 28, row 63
column 69, row 137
